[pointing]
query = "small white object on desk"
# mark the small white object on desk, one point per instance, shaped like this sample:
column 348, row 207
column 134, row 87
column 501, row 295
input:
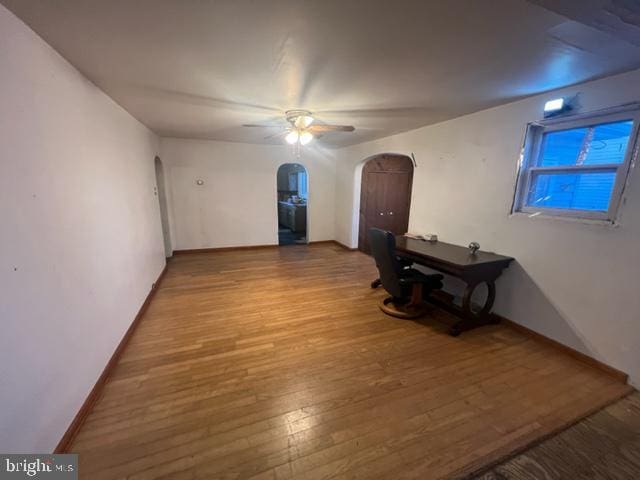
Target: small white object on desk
column 427, row 237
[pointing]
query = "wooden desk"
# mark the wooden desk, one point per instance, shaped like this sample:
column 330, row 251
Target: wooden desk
column 473, row 269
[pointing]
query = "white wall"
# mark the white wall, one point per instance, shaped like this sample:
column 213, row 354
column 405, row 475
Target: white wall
column 237, row 205
column 80, row 240
column 574, row 282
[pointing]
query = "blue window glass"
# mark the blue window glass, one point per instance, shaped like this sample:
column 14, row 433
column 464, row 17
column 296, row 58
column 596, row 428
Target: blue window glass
column 562, row 147
column 596, row 145
column 580, row 191
column 609, row 143
column 571, row 181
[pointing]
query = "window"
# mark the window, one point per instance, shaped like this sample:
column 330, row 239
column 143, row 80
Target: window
column 577, row 167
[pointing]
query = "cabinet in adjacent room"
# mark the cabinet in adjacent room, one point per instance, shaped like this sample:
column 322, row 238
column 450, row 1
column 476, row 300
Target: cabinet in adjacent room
column 292, row 216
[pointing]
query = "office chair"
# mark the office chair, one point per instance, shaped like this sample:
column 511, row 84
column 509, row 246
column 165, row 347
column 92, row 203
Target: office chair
column 408, row 287
column 404, row 263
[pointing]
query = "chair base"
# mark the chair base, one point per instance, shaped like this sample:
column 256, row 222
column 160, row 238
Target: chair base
column 402, row 310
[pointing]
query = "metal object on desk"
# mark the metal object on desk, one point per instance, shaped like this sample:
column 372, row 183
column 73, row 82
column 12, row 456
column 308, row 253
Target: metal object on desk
column 474, row 247
column 455, row 260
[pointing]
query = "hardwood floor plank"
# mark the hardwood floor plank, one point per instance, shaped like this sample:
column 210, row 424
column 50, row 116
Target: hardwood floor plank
column 278, row 364
column 604, row 446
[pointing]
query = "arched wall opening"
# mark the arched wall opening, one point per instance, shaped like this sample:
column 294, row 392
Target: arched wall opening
column 161, row 193
column 292, row 182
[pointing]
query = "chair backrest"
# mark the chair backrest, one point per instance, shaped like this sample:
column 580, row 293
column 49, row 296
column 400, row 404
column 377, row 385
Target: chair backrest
column 383, row 249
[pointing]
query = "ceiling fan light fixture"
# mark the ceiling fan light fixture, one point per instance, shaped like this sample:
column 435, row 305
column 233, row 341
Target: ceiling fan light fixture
column 300, row 119
column 302, row 128
column 306, row 120
column 292, row 137
column 305, row 137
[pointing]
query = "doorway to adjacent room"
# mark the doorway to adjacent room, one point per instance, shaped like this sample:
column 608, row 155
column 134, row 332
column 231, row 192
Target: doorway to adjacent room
column 293, row 188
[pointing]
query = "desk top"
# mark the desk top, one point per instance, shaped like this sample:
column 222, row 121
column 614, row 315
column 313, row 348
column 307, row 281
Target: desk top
column 442, row 252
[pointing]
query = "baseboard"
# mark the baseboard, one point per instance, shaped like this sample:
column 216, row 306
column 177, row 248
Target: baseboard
column 332, row 242
column 254, row 247
column 444, row 299
column 189, row 251
column 340, row 244
column 582, row 357
column 94, row 394
column 321, row 242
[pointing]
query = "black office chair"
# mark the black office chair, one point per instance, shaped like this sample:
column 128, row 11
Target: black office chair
column 407, row 287
column 404, row 263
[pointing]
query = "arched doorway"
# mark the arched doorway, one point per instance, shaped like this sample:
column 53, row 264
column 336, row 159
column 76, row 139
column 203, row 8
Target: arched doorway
column 385, row 196
column 293, row 188
column 162, row 200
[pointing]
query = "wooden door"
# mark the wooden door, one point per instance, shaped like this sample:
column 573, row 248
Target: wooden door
column 385, row 196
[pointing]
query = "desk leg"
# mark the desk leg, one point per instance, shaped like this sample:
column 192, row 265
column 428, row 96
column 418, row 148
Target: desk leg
column 472, row 319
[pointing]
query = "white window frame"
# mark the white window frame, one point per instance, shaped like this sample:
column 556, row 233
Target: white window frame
column 531, row 151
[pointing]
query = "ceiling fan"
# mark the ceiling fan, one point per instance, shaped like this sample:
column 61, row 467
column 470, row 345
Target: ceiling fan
column 302, row 129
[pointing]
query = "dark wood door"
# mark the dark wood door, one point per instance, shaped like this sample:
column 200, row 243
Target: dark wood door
column 385, row 196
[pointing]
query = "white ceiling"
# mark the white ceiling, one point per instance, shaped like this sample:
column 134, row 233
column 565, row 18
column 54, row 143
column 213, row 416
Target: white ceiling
column 201, row 69
column 620, row 18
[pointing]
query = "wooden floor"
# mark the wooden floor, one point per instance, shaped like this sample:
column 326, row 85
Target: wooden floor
column 604, row 446
column 278, row 364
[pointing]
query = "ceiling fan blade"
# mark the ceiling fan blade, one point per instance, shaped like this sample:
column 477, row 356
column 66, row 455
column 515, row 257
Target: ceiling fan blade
column 261, row 126
column 185, row 98
column 275, row 135
column 330, row 128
